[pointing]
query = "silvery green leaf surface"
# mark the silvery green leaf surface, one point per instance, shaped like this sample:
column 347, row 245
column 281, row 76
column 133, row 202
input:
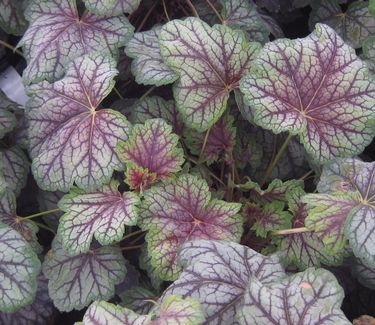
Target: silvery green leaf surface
column 368, row 52
column 152, row 272
column 112, row 7
column 148, row 66
column 202, row 56
column 216, row 273
column 70, row 140
column 19, row 269
column 354, row 25
column 315, row 88
column 100, row 214
column 139, row 299
column 7, row 121
column 243, row 14
column 172, row 311
column 26, row 228
column 75, row 281
column 12, row 18
column 15, row 168
column 180, row 211
column 57, row 34
column 151, row 153
column 39, row 312
column 311, row 297
column 364, row 273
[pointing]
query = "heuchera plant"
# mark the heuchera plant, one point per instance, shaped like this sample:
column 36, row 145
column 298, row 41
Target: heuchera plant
column 188, row 162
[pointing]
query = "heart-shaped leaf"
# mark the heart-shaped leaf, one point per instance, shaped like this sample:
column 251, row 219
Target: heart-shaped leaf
column 99, row 270
column 314, row 87
column 148, row 66
column 337, row 216
column 243, row 14
column 354, row 25
column 112, row 7
column 180, row 211
column 12, row 18
column 313, row 297
column 202, row 56
column 216, row 273
column 19, row 269
column 8, row 216
column 151, row 154
column 172, row 311
column 102, row 214
column 71, row 141
column 57, row 34
column 39, row 312
column 15, row 168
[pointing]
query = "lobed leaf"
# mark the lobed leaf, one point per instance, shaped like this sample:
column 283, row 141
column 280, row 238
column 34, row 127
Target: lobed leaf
column 148, row 66
column 102, row 214
column 354, row 25
column 316, row 88
column 209, row 61
column 216, row 273
column 312, row 297
column 172, row 311
column 70, row 140
column 57, row 34
column 75, row 281
column 19, row 269
column 151, row 154
column 112, row 7
column 180, row 211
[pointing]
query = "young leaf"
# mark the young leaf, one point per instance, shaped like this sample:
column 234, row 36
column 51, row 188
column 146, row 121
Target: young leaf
column 216, row 273
column 66, row 35
column 8, row 216
column 317, row 88
column 70, row 140
column 15, row 168
column 75, row 281
column 243, row 14
column 150, row 154
column 312, row 297
column 148, row 66
column 12, row 18
column 102, row 214
column 202, row 56
column 112, row 7
column 354, row 25
column 19, row 269
column 39, row 312
column 139, row 299
column 157, row 107
column 173, row 311
column 180, row 211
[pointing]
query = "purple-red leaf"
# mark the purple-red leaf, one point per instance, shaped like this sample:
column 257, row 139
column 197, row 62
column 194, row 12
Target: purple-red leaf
column 57, row 34
column 112, row 7
column 316, row 88
column 102, row 214
column 71, row 141
column 210, row 61
column 150, row 154
column 180, row 211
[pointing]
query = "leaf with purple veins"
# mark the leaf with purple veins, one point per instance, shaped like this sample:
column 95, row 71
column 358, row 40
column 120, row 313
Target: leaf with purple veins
column 102, row 214
column 148, row 66
column 181, row 211
column 151, row 154
column 364, row 273
column 316, row 88
column 12, row 19
column 216, row 273
column 112, row 7
column 311, row 297
column 172, row 311
column 70, row 140
column 19, row 269
column 202, row 56
column 99, row 270
column 57, row 34
column 7, row 121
